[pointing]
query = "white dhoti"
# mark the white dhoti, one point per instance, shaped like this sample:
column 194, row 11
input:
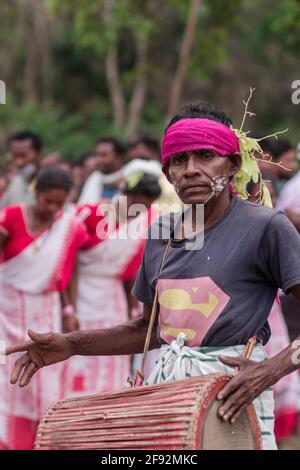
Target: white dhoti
column 178, row 362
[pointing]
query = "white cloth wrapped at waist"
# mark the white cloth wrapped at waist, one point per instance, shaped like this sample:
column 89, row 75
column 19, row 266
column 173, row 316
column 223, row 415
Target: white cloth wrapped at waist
column 177, row 362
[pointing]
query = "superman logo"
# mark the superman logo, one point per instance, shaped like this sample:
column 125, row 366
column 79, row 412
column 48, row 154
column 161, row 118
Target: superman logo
column 189, row 305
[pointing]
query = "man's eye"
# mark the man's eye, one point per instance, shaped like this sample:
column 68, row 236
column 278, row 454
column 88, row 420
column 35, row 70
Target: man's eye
column 178, row 159
column 205, row 156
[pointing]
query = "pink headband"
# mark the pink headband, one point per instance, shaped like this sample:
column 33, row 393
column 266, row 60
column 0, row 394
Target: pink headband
column 196, row 134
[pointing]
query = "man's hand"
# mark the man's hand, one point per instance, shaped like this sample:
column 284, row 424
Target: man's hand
column 251, row 379
column 43, row 350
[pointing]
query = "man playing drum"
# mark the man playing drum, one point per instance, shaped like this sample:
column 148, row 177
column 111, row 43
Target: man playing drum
column 212, row 299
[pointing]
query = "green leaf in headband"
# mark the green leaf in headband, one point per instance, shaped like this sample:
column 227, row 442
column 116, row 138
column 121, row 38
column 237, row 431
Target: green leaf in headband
column 250, row 151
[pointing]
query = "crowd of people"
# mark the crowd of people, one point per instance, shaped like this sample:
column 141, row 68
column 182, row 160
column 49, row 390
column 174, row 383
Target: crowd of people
column 59, row 272
column 63, row 275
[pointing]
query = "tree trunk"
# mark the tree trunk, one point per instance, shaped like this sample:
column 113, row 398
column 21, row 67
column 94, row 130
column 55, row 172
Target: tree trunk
column 42, row 33
column 139, row 91
column 114, row 87
column 184, row 57
column 112, row 72
column 30, row 73
column 10, row 16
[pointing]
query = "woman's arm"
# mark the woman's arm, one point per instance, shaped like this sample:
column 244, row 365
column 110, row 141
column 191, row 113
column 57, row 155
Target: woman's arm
column 132, row 303
column 73, row 286
column 3, row 238
column 68, row 298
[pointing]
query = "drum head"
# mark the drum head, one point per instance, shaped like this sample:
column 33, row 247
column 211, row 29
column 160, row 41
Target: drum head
column 220, row 435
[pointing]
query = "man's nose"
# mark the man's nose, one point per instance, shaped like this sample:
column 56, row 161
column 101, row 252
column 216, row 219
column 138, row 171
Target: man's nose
column 191, row 167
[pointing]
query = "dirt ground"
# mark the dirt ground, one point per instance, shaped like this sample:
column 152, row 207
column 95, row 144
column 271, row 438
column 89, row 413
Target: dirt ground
column 290, row 443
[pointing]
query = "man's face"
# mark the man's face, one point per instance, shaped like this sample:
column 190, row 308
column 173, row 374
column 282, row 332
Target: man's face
column 107, row 161
column 288, row 160
column 23, row 153
column 191, row 173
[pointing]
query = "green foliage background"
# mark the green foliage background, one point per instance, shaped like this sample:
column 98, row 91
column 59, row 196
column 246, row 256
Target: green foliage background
column 238, row 44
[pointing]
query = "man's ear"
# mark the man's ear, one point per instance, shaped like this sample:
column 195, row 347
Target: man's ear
column 166, row 172
column 235, row 160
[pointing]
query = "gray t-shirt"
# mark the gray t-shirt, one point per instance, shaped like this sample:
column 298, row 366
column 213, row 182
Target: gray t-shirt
column 222, row 294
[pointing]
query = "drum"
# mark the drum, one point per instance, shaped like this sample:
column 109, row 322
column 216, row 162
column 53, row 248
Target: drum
column 176, row 415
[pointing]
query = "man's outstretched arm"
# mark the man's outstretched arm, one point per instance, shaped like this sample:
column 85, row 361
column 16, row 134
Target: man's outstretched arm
column 50, row 348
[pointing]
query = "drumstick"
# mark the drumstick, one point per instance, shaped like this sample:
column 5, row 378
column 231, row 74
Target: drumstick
column 249, row 348
column 247, row 351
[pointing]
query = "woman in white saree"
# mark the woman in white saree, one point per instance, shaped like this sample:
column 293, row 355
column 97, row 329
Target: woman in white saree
column 107, row 266
column 39, row 246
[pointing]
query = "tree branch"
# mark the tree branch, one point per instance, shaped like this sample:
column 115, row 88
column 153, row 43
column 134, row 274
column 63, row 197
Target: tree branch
column 139, row 91
column 184, row 57
column 112, row 71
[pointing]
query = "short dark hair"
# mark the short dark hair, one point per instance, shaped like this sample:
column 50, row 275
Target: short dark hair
column 34, row 138
column 118, row 146
column 276, row 147
column 54, row 178
column 148, row 186
column 200, row 109
column 148, row 140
